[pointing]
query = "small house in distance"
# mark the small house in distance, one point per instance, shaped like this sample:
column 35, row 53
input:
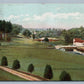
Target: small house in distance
column 50, row 39
column 78, row 42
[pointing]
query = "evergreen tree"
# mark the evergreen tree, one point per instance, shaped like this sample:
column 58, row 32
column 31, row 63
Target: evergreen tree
column 4, row 61
column 16, row 64
column 31, row 68
column 48, row 72
column 65, row 76
column 5, row 27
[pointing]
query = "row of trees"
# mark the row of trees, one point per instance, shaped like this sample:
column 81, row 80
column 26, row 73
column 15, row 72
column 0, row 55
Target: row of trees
column 73, row 33
column 48, row 73
column 5, row 27
column 48, row 33
column 68, row 35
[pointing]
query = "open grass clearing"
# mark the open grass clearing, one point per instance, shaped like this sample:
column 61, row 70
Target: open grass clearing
column 41, row 57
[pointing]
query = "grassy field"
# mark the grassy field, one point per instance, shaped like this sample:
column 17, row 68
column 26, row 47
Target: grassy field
column 5, row 76
column 29, row 51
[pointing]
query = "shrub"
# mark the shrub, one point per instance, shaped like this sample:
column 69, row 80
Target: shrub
column 31, row 68
column 16, row 64
column 4, row 61
column 65, row 76
column 33, row 36
column 48, row 72
column 46, row 39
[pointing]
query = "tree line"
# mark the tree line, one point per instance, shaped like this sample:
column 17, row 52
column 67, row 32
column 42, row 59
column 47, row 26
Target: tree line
column 48, row 33
column 73, row 33
column 7, row 29
column 67, row 35
column 48, row 72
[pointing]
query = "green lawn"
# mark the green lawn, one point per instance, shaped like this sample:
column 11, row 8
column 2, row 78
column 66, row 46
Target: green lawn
column 5, row 76
column 40, row 57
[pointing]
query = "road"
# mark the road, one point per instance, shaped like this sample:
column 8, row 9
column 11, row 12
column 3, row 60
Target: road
column 20, row 74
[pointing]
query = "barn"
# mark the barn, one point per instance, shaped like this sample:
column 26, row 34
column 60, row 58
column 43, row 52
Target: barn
column 50, row 39
column 78, row 42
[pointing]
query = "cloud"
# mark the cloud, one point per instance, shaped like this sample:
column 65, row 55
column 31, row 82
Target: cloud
column 66, row 15
column 45, row 16
column 58, row 15
column 50, row 23
column 16, row 16
column 26, row 19
column 12, row 17
column 46, row 20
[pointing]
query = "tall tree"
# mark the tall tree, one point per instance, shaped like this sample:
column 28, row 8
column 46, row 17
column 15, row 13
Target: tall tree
column 0, row 30
column 8, row 29
column 5, row 27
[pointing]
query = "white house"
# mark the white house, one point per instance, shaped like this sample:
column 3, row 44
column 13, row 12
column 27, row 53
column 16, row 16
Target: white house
column 78, row 42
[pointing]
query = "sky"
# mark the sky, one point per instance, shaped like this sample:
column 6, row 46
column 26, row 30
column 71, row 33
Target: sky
column 33, row 15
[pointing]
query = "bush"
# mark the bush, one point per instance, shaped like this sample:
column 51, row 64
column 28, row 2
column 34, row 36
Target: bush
column 16, row 64
column 46, row 39
column 33, row 36
column 48, row 72
column 31, row 68
column 4, row 61
column 65, row 76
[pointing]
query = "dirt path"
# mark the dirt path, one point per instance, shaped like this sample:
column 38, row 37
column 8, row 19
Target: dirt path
column 22, row 75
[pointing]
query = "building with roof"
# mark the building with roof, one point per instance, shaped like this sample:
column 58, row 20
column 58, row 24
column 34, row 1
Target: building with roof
column 50, row 39
column 78, row 42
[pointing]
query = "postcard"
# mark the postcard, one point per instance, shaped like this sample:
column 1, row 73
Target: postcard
column 41, row 41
